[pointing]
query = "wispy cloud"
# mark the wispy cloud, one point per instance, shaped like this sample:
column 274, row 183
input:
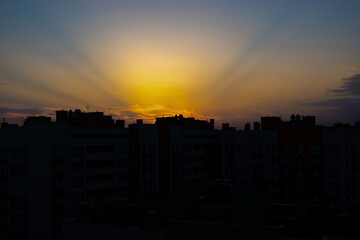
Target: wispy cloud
column 350, row 87
column 350, row 103
column 31, row 111
column 149, row 112
column 344, row 103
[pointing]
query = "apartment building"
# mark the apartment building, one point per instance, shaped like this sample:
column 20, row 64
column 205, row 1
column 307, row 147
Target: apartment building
column 49, row 168
column 143, row 160
column 341, row 152
column 188, row 153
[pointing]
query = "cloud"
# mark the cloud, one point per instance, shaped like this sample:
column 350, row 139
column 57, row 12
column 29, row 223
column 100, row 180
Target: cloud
column 350, row 87
column 351, row 103
column 31, row 111
column 344, row 104
column 148, row 112
column 128, row 114
column 338, row 109
column 2, row 84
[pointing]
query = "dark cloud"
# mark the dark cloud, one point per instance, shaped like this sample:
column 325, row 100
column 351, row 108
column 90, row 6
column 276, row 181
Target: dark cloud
column 350, row 87
column 346, row 96
column 129, row 114
column 30, row 111
column 350, row 103
column 344, row 104
column 345, row 110
column 2, row 84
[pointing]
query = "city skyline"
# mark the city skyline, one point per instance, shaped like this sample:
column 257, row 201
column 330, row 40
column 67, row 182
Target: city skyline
column 233, row 61
column 86, row 170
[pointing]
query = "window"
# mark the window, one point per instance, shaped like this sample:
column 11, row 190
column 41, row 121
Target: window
column 17, row 235
column 19, row 170
column 18, row 220
column 77, row 166
column 77, row 151
column 77, row 181
column 187, row 172
column 315, row 150
column 100, row 149
column 18, row 203
column 99, row 163
column 77, row 197
column 99, row 178
column 300, row 149
column 18, row 187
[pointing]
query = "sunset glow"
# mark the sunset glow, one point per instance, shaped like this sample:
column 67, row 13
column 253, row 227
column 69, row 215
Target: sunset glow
column 233, row 61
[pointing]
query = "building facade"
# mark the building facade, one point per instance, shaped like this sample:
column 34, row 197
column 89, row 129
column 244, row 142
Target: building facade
column 48, row 169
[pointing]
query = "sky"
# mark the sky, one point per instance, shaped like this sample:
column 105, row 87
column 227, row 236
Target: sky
column 234, row 61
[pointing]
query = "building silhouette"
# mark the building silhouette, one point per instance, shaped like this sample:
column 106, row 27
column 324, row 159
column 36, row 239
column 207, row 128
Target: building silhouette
column 49, row 170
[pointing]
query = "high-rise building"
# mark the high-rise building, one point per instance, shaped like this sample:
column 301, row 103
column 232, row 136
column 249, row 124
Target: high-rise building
column 48, row 169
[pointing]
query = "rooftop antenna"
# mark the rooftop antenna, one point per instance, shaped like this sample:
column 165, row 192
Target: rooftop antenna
column 87, row 108
column 109, row 108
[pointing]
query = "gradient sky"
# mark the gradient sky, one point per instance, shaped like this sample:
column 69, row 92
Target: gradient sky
column 233, row 61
